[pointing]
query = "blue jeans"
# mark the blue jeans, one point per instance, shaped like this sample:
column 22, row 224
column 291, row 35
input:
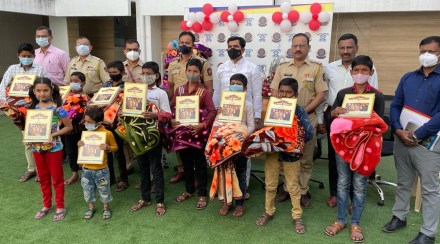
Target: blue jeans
column 92, row 179
column 346, row 177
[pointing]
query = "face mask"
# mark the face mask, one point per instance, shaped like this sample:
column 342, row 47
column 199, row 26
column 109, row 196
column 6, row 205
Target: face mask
column 428, row 59
column 117, row 77
column 132, row 55
column 44, row 100
column 360, row 78
column 26, row 61
column 193, row 77
column 184, row 49
column 75, row 86
column 91, row 126
column 149, row 79
column 83, row 50
column 234, row 53
column 235, row 88
column 42, row 41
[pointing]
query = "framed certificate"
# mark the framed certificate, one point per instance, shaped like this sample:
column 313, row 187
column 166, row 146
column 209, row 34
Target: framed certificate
column 64, row 92
column 232, row 106
column 20, row 85
column 38, row 127
column 90, row 153
column 280, row 112
column 358, row 105
column 135, row 99
column 187, row 110
column 105, row 96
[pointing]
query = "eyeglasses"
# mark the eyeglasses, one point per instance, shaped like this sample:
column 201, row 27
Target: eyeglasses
column 299, row 46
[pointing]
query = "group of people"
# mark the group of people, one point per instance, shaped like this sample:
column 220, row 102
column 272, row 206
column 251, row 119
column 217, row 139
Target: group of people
column 319, row 92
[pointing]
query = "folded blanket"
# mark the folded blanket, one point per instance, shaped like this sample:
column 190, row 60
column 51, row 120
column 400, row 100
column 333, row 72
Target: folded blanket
column 359, row 141
column 16, row 109
column 225, row 183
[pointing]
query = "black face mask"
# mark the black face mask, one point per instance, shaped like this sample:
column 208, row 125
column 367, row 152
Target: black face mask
column 234, row 53
column 184, row 49
column 117, row 77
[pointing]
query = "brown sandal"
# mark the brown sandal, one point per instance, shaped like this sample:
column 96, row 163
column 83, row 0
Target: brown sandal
column 140, row 205
column 299, row 226
column 263, row 219
column 202, row 202
column 160, row 209
column 238, row 212
column 122, row 185
column 338, row 226
column 27, row 175
column 183, row 197
column 356, row 235
column 225, row 210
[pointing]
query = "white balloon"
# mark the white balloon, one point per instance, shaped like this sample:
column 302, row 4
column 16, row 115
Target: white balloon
column 323, row 17
column 200, row 17
column 192, row 16
column 215, row 18
column 285, row 7
column 286, row 26
column 285, row 16
column 232, row 26
column 232, row 8
column 230, row 17
column 189, row 23
column 305, row 17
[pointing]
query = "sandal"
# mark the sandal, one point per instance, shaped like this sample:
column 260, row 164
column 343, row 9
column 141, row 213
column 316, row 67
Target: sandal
column 106, row 214
column 263, row 219
column 122, row 185
column 140, row 205
column 42, row 213
column 337, row 227
column 202, row 202
column 299, row 226
column 72, row 180
column 160, row 209
column 89, row 213
column 238, row 212
column 59, row 216
column 27, row 175
column 183, row 197
column 225, row 210
column 356, row 235
column 37, row 179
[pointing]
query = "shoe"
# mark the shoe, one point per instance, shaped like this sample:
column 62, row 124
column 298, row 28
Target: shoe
column 282, row 196
column 394, row 225
column 332, row 201
column 309, row 195
column 423, row 239
column 176, row 178
column 305, row 201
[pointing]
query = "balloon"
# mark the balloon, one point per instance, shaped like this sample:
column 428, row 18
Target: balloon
column 285, row 15
column 206, row 25
column 286, row 26
column 314, row 16
column 230, row 18
column 197, row 27
column 224, row 16
column 293, row 16
column 232, row 8
column 189, row 23
column 207, row 9
column 324, row 17
column 285, row 7
column 305, row 17
column 315, row 8
column 238, row 16
column 214, row 18
column 183, row 25
column 191, row 17
column 314, row 25
column 233, row 26
column 199, row 17
column 277, row 17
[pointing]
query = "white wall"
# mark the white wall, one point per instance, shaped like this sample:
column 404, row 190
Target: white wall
column 58, row 25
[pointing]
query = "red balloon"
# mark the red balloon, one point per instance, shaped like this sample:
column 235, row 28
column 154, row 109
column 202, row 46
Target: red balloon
column 293, row 16
column 206, row 25
column 314, row 16
column 183, row 25
column 238, row 16
column 207, row 18
column 207, row 9
column 277, row 17
column 224, row 16
column 196, row 27
column 315, row 8
column 314, row 25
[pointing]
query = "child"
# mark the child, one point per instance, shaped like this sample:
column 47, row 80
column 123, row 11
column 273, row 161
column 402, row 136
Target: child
column 190, row 140
column 97, row 175
column 49, row 156
column 288, row 88
column 361, row 70
column 75, row 105
column 152, row 158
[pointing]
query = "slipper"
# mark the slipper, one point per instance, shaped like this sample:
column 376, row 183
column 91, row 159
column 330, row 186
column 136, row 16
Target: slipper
column 160, row 209
column 356, row 231
column 183, row 197
column 71, row 182
column 238, row 212
column 139, row 205
column 122, row 185
column 42, row 213
column 106, row 214
column 89, row 213
column 338, row 226
column 202, row 203
column 225, row 210
column 27, row 175
column 299, row 226
column 263, row 219
column 59, row 216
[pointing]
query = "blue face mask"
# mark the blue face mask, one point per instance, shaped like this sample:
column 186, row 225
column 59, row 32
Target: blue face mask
column 91, row 126
column 26, row 61
column 75, row 86
column 235, row 88
column 42, row 41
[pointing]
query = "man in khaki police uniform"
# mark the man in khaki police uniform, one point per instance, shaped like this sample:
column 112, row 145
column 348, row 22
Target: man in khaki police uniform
column 92, row 67
column 133, row 64
column 311, row 87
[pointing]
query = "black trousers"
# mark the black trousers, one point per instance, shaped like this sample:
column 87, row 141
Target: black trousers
column 194, row 162
column 71, row 149
column 120, row 157
column 332, row 171
column 240, row 169
column 151, row 161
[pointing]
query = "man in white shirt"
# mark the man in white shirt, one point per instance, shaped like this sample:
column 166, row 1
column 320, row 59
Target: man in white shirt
column 338, row 77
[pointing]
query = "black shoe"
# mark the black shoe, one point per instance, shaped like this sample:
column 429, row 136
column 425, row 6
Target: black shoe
column 305, row 201
column 423, row 239
column 309, row 195
column 282, row 196
column 394, row 225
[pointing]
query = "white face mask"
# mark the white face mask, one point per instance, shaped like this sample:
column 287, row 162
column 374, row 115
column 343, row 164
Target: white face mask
column 42, row 41
column 75, row 86
column 132, row 55
column 428, row 59
column 149, row 79
column 83, row 50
